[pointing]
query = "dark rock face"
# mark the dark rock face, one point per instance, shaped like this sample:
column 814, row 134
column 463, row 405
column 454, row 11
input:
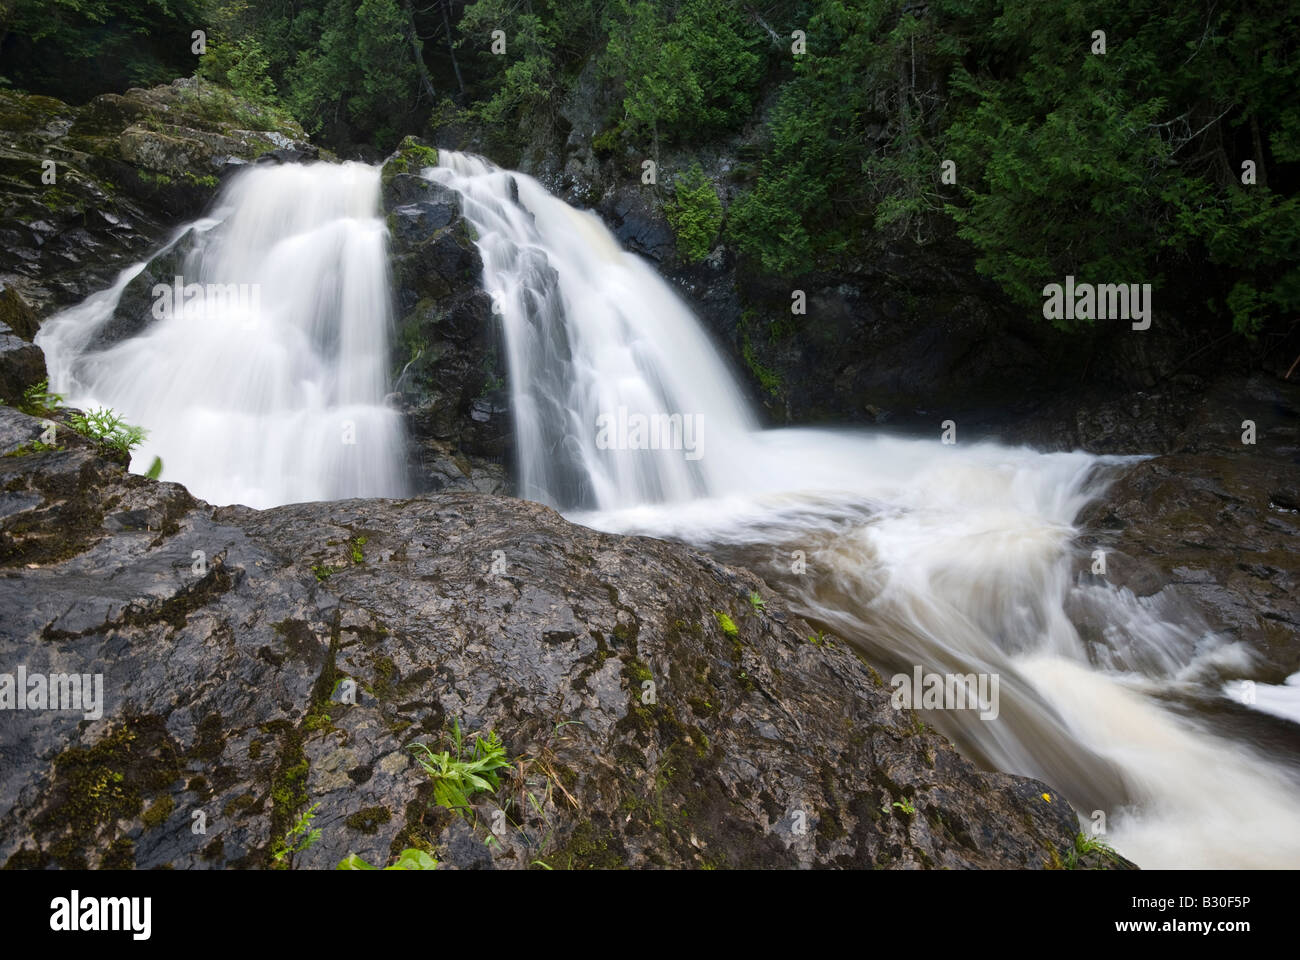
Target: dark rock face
column 1218, row 519
column 126, row 168
column 448, row 361
column 256, row 663
column 22, row 364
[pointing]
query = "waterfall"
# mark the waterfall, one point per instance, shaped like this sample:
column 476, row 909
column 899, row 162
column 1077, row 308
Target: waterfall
column 261, row 375
column 592, row 332
column 951, row 559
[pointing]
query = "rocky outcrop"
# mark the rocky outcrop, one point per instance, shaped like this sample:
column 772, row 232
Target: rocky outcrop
column 1216, row 520
column 448, row 360
column 125, row 168
column 257, row 665
column 22, row 363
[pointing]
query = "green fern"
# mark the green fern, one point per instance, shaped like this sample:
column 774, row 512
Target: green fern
column 456, row 778
column 108, row 430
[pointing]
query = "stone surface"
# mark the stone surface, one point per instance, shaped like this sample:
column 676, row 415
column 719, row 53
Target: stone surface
column 126, row 168
column 643, row 732
column 1217, row 521
column 448, row 358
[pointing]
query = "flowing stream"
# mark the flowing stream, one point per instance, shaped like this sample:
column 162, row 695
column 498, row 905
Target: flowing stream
column 958, row 559
column 949, row 558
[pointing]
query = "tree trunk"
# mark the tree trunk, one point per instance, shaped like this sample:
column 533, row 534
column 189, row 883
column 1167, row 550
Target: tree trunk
column 425, row 82
column 451, row 47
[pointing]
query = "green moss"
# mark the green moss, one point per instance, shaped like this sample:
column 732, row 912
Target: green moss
column 588, row 847
column 120, row 855
column 26, row 858
column 411, row 157
column 95, row 787
column 240, row 805
column 369, row 820
column 605, row 143
column 158, row 812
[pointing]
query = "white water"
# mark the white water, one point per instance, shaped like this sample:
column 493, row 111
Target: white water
column 955, row 558
column 263, row 400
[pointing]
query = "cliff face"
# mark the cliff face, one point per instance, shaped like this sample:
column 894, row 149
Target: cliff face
column 257, row 663
column 85, row 190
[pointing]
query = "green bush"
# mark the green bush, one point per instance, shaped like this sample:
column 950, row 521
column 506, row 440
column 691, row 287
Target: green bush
column 695, row 213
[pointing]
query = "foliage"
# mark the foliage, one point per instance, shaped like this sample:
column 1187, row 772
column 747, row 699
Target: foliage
column 409, row 859
column 726, row 623
column 1117, row 167
column 1083, row 845
column 688, row 69
column 73, row 49
column 38, row 401
column 107, row 429
column 695, row 213
column 457, row 774
column 242, row 66
column 297, row 838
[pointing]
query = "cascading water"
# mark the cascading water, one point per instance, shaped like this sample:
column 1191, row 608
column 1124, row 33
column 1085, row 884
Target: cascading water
column 267, row 386
column 957, row 559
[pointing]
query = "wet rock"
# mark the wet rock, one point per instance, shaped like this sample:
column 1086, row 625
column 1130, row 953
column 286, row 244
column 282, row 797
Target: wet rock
column 448, row 360
column 125, row 169
column 257, row 663
column 22, row 364
column 1218, row 518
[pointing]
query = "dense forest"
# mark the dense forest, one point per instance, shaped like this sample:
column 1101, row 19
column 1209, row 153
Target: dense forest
column 1112, row 141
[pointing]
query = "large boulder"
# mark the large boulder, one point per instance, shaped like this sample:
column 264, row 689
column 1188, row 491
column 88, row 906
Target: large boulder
column 260, row 665
column 448, row 359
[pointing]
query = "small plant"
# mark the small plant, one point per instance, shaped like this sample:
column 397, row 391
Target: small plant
column 297, row 838
column 1084, row 845
column 457, row 778
column 906, row 806
column 108, row 430
column 323, row 572
column 35, row 446
column 756, row 601
column 155, row 469
column 38, row 401
column 817, row 639
column 409, row 859
column 354, row 549
column 726, row 623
